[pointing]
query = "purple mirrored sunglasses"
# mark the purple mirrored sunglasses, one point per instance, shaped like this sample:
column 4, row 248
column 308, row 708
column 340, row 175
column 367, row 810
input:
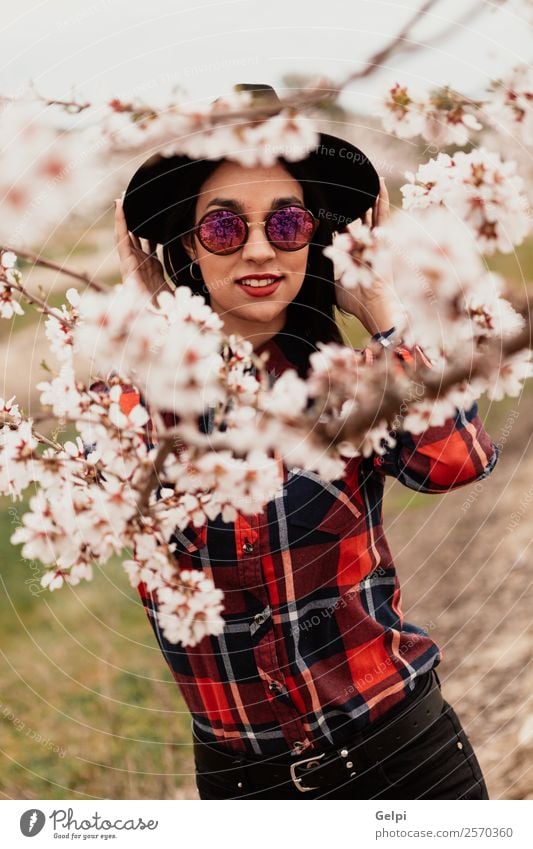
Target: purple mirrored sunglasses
column 289, row 228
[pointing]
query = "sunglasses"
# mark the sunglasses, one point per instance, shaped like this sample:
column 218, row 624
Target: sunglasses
column 290, row 228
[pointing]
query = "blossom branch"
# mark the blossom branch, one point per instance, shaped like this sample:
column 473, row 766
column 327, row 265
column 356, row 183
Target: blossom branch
column 395, row 396
column 69, row 272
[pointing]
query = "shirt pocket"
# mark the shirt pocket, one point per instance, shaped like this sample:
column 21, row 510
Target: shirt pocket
column 320, row 506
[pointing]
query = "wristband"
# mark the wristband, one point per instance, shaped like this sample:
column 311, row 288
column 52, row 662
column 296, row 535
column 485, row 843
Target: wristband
column 384, row 337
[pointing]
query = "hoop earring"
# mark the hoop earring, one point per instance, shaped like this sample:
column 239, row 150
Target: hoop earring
column 196, row 279
column 174, row 275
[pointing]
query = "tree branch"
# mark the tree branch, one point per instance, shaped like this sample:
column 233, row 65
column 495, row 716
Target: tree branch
column 393, row 399
column 46, row 263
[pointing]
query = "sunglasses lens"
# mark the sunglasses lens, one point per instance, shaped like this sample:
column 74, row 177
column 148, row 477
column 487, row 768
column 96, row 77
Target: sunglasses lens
column 290, row 228
column 222, row 232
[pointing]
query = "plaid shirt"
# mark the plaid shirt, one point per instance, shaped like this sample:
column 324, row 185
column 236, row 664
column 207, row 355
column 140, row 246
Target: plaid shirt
column 315, row 645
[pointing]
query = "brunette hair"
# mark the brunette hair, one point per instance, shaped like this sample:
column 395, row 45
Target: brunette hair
column 310, row 316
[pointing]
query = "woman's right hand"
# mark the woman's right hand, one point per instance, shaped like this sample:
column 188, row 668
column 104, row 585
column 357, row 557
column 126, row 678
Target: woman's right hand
column 138, row 257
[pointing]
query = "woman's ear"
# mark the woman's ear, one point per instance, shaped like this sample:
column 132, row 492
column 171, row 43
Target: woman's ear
column 187, row 242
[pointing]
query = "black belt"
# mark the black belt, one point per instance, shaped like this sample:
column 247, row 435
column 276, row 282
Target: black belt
column 328, row 769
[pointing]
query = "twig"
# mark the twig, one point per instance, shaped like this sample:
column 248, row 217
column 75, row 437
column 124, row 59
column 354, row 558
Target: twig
column 152, row 479
column 322, row 90
column 382, row 55
column 46, row 263
column 43, row 306
column 470, row 15
column 393, row 398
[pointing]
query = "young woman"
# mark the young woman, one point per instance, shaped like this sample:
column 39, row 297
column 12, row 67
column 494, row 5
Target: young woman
column 318, row 687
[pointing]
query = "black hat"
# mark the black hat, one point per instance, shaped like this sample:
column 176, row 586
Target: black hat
column 346, row 179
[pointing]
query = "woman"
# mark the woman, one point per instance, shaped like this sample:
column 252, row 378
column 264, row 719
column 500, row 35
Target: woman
column 317, row 687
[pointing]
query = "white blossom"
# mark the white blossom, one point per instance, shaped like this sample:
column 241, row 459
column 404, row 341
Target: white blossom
column 47, row 172
column 191, row 610
column 170, row 352
column 510, row 106
column 481, row 190
column 441, row 116
column 18, row 467
column 510, row 376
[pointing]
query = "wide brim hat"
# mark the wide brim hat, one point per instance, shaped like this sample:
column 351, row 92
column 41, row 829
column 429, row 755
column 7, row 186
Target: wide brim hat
column 344, row 177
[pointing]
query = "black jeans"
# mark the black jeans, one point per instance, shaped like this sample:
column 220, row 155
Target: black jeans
column 438, row 764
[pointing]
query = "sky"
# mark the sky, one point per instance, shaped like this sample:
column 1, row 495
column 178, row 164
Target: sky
column 122, row 48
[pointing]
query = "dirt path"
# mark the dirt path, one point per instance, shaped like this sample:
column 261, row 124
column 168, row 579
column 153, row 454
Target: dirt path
column 464, row 565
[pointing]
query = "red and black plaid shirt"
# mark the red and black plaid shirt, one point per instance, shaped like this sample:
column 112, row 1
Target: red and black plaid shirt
column 315, row 645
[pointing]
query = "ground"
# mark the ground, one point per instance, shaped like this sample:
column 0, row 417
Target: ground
column 464, row 562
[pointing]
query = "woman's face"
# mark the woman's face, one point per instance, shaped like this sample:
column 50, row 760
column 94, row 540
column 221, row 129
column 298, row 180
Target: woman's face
column 252, row 192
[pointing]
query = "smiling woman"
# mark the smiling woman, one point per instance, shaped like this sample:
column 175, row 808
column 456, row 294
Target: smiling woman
column 317, row 687
column 302, row 294
column 251, row 286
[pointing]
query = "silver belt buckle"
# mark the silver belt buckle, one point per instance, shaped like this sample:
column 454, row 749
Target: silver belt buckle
column 297, row 781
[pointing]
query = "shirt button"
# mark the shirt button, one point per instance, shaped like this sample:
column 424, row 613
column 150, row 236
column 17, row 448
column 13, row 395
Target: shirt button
column 259, row 618
column 275, row 687
column 247, row 547
column 298, row 747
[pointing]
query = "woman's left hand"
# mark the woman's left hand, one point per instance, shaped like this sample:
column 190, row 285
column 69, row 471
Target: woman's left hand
column 372, row 305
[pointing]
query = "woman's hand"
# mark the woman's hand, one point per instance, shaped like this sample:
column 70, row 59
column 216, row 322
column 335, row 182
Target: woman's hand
column 372, row 306
column 138, row 257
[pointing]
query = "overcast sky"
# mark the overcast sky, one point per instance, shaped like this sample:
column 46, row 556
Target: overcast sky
column 122, row 47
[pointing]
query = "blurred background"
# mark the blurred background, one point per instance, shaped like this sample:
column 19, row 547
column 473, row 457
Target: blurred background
column 88, row 708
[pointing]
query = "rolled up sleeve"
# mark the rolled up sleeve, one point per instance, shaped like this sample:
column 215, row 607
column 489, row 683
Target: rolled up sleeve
column 443, row 457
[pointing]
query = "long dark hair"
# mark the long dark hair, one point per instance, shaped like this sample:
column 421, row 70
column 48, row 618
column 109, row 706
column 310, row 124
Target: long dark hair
column 310, row 316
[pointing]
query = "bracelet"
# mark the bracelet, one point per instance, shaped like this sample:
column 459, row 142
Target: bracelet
column 384, row 337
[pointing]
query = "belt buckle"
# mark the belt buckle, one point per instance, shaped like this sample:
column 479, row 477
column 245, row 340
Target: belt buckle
column 297, row 781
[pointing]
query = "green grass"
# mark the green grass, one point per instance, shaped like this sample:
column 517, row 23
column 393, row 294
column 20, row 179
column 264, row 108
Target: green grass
column 88, row 707
column 8, row 327
column 517, row 267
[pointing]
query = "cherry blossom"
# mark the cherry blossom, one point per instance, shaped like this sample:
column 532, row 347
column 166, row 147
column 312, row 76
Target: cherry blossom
column 17, row 466
column 179, row 425
column 47, row 172
column 190, row 610
column 441, row 116
column 482, row 190
column 9, row 278
column 511, row 104
column 510, row 376
column 174, row 371
column 197, row 132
